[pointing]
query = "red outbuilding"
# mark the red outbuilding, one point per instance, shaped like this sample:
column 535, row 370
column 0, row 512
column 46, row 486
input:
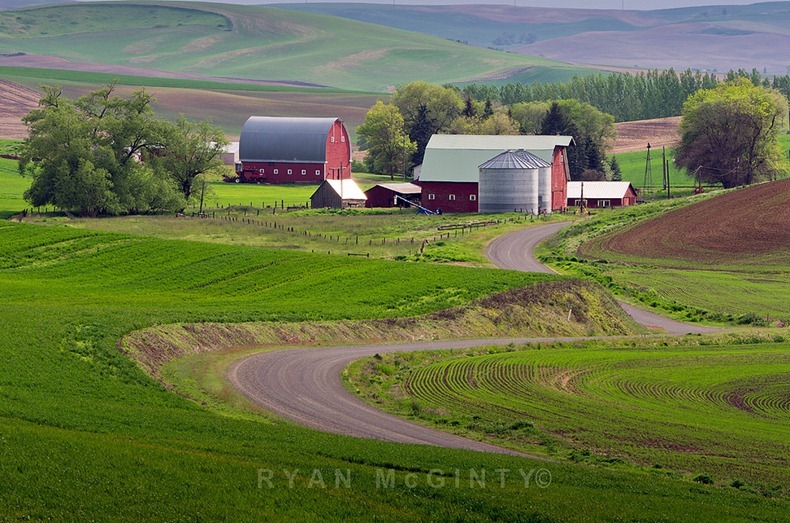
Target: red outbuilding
column 393, row 195
column 601, row 194
column 293, row 150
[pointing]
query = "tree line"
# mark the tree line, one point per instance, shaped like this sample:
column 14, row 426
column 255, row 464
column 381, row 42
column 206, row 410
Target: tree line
column 627, row 97
column 396, row 134
column 729, row 132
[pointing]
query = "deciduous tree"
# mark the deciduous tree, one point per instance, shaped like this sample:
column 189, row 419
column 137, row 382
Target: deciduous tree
column 383, row 136
column 729, row 134
column 103, row 153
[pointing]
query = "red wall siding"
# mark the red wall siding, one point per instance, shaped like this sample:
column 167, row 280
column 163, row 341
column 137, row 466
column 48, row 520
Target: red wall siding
column 338, row 152
column 252, row 172
column 442, row 191
column 559, row 180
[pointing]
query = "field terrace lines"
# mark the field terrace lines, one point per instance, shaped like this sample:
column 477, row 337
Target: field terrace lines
column 662, row 412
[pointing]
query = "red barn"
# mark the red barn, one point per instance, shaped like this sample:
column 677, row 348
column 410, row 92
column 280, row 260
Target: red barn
column 383, row 194
column 601, row 194
column 450, row 173
column 293, row 150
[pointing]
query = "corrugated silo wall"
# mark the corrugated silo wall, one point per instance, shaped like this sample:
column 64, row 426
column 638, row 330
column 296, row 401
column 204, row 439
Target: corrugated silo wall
column 508, row 190
column 544, row 175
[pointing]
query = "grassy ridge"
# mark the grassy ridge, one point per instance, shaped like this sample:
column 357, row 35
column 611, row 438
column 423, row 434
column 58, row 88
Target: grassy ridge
column 85, row 434
column 720, row 409
column 252, row 42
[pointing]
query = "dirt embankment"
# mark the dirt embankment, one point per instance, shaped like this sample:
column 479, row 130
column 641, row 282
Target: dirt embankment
column 746, row 222
column 537, row 310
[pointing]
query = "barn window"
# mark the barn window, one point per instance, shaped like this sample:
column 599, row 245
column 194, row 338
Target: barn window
column 318, row 172
column 431, row 196
column 472, row 197
column 290, row 171
column 261, row 171
column 276, row 171
column 451, row 197
column 304, row 171
column 604, row 203
column 343, row 139
column 333, row 139
column 580, row 202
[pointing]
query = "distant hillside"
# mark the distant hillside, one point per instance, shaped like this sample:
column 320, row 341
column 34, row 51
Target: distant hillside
column 259, row 43
column 706, row 38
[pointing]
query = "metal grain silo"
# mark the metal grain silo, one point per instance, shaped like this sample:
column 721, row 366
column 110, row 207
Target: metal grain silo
column 544, row 179
column 509, row 182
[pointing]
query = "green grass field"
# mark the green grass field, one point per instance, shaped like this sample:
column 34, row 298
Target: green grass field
column 634, row 164
column 12, row 186
column 252, row 42
column 719, row 409
column 85, row 434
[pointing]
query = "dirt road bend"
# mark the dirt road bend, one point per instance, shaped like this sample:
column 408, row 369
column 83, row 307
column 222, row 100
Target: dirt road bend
column 514, row 251
column 304, row 385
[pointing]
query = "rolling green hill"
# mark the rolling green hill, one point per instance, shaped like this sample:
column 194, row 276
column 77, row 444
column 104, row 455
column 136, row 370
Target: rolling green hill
column 705, row 37
column 256, row 43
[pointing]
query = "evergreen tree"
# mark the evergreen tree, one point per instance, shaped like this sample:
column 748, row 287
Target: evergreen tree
column 617, row 174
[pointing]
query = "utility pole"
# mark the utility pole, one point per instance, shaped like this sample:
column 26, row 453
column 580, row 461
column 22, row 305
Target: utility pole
column 647, row 184
column 202, row 192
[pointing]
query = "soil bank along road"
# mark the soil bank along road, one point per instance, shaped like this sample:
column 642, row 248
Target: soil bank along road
column 304, row 385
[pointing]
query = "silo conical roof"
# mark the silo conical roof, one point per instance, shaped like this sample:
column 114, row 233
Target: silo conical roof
column 508, row 160
column 534, row 162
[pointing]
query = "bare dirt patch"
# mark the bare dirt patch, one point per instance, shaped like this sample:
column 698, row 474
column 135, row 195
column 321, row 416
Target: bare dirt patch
column 746, row 222
column 17, row 101
column 659, row 132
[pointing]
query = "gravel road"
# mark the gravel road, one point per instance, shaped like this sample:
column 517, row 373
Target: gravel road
column 304, row 385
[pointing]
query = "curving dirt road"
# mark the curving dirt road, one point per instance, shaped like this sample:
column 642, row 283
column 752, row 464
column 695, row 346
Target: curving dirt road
column 304, row 385
column 514, row 251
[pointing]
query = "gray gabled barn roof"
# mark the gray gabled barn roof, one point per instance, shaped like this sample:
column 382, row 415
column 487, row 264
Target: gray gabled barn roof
column 275, row 139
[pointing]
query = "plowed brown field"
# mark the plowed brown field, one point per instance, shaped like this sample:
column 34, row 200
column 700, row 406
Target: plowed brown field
column 634, row 136
column 15, row 102
column 750, row 221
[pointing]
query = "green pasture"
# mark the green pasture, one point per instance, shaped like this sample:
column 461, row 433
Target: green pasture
column 719, row 408
column 86, row 435
column 217, row 40
column 12, row 186
column 745, row 289
column 634, row 164
column 377, row 233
